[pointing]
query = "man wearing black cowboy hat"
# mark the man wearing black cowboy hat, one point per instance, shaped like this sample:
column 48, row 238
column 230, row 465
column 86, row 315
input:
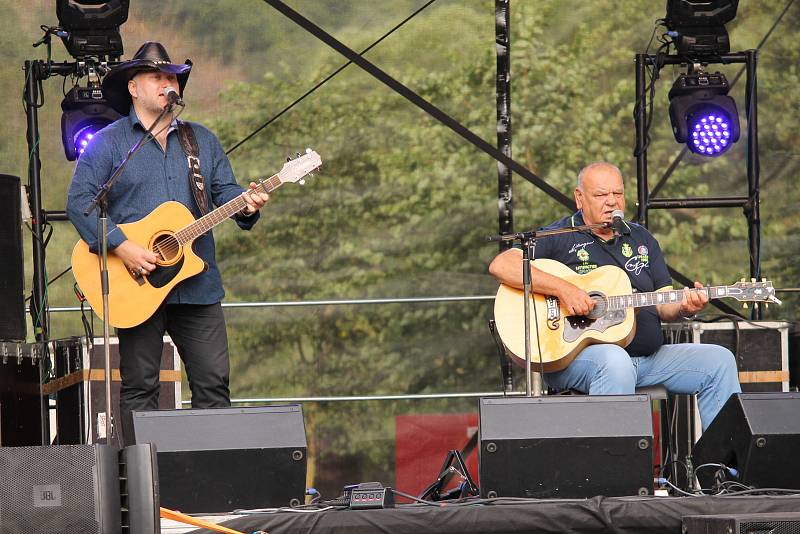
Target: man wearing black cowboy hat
column 192, row 313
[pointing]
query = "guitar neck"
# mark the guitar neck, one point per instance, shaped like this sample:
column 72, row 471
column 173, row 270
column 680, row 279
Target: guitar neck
column 654, row 298
column 222, row 213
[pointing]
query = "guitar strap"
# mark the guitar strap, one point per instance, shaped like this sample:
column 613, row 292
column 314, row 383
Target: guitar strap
column 196, row 181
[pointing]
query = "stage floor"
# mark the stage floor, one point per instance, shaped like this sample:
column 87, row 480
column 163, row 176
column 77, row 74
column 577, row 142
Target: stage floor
column 653, row 515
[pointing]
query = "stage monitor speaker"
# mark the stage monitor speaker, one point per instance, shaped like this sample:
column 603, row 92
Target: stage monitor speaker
column 12, row 276
column 566, row 446
column 64, row 488
column 757, row 434
column 756, row 523
column 221, row 459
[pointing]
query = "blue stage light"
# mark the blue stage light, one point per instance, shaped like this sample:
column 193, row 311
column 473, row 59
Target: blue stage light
column 84, row 135
column 710, row 127
column 85, row 113
column 702, row 114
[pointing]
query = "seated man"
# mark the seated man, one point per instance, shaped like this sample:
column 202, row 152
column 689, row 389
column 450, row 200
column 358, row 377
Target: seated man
column 709, row 371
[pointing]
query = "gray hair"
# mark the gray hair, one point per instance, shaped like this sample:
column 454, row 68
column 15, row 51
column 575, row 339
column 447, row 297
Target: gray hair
column 595, row 165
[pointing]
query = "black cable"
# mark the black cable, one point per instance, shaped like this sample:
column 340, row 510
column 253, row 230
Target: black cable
column 49, row 282
column 786, row 491
column 654, row 73
column 327, row 78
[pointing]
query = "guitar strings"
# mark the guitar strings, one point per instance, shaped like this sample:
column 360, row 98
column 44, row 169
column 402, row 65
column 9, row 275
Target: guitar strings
column 168, row 247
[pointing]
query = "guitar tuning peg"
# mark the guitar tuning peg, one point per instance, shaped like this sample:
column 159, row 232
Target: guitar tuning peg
column 298, row 154
column 744, row 279
column 753, row 280
column 766, row 305
column 308, row 151
column 302, row 182
column 289, row 158
column 763, row 279
column 744, row 305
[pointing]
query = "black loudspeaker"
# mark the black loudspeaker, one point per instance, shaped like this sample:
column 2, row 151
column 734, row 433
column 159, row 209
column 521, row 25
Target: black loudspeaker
column 139, row 493
column 222, row 459
column 759, row 523
column 66, row 488
column 12, row 277
column 757, row 434
column 566, row 446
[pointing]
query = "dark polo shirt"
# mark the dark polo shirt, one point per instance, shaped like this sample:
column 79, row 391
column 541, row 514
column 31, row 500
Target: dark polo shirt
column 637, row 252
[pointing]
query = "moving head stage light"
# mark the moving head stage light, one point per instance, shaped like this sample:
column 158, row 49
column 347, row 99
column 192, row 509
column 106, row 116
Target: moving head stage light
column 697, row 27
column 702, row 114
column 85, row 112
column 92, row 26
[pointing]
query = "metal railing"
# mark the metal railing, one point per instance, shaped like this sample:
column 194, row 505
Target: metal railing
column 343, row 302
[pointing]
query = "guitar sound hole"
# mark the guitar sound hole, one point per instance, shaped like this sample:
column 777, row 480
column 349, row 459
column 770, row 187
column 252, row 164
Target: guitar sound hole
column 600, row 305
column 167, row 248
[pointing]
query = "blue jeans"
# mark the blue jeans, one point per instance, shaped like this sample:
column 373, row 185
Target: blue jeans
column 708, row 371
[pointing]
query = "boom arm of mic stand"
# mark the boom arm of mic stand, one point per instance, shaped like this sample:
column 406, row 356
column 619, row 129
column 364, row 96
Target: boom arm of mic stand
column 101, row 195
column 531, row 234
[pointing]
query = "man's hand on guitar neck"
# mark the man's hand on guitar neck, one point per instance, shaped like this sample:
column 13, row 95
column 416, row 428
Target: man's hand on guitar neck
column 255, row 199
column 692, row 303
column 136, row 258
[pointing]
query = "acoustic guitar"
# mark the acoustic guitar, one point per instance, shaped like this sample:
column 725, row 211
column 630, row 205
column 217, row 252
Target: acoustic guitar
column 168, row 231
column 612, row 320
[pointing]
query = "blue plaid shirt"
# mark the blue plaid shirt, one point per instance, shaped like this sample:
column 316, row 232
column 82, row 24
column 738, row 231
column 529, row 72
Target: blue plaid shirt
column 153, row 177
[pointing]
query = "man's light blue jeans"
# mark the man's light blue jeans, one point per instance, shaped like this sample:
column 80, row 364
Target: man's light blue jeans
column 708, row 371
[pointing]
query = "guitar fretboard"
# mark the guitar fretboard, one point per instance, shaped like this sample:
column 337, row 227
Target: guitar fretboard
column 638, row 300
column 222, row 213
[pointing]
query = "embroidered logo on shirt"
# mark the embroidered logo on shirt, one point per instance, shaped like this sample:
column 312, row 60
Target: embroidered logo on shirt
column 636, row 264
column 584, row 266
column 577, row 246
column 642, row 250
column 627, row 251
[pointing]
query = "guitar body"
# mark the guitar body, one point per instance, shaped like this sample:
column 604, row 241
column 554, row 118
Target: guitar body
column 132, row 298
column 563, row 337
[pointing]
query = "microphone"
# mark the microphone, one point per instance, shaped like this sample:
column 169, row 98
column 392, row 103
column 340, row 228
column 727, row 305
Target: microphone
column 173, row 97
column 618, row 223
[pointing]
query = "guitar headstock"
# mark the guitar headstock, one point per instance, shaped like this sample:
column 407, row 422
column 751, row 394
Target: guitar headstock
column 754, row 291
column 295, row 170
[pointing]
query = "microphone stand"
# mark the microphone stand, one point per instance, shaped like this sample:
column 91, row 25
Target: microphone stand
column 534, row 385
column 100, row 203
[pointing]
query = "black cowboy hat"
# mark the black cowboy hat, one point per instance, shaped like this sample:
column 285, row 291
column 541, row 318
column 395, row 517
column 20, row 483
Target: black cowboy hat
column 151, row 56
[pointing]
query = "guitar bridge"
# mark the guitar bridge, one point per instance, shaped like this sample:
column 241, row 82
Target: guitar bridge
column 137, row 277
